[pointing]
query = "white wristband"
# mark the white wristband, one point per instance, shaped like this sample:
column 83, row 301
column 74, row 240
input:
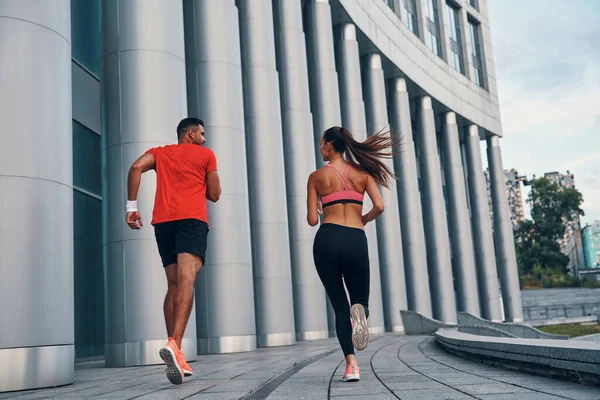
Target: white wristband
column 132, row 206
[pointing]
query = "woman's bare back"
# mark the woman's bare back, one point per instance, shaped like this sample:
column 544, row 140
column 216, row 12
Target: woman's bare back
column 327, row 181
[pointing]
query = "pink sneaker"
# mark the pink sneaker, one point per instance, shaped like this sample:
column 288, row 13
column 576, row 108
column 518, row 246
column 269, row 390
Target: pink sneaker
column 172, row 356
column 352, row 373
column 187, row 370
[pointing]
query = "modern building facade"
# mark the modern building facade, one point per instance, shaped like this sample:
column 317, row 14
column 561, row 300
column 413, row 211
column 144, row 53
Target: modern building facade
column 87, row 86
column 575, row 251
column 590, row 235
column 513, row 192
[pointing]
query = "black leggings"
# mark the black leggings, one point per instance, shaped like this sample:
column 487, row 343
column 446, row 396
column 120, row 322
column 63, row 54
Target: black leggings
column 342, row 252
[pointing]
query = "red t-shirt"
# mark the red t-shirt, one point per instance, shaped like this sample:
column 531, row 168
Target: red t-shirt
column 181, row 171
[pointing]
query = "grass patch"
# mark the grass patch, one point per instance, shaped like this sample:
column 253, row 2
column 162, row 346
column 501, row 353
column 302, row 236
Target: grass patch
column 573, row 330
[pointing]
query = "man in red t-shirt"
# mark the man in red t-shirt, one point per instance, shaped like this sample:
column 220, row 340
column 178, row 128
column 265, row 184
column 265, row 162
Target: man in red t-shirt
column 186, row 175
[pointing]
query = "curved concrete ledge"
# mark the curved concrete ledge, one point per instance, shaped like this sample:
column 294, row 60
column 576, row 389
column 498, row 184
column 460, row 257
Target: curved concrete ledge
column 413, row 58
column 518, row 330
column 563, row 321
column 572, row 360
column 482, row 330
column 416, row 323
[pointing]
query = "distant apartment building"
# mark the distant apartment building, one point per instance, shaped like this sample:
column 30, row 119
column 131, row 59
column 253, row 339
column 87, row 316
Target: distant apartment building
column 515, row 198
column 590, row 235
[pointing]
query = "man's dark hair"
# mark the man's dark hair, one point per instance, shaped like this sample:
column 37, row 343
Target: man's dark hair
column 188, row 123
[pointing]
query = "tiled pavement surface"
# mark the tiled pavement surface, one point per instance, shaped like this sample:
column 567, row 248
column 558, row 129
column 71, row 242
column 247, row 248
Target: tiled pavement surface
column 392, row 367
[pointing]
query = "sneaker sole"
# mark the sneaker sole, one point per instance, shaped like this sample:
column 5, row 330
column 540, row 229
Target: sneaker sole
column 174, row 372
column 360, row 330
column 187, row 373
column 351, row 378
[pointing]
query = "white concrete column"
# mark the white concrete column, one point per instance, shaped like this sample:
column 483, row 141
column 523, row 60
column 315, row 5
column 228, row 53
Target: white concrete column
column 353, row 119
column 266, row 175
column 434, row 218
column 299, row 156
column 36, row 195
column 483, row 240
column 461, row 237
column 143, row 99
column 389, row 237
column 225, row 323
column 503, row 234
column 409, row 199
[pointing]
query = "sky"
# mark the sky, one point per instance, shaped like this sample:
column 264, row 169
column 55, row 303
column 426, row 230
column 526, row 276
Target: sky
column 547, row 56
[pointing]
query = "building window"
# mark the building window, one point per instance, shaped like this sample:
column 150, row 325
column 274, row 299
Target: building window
column 410, row 15
column 86, row 159
column 85, row 33
column 433, row 28
column 456, row 54
column 476, row 53
column 473, row 3
column 389, row 3
column 88, row 275
column 87, row 243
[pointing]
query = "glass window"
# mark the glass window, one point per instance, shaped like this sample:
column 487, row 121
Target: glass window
column 389, row 3
column 86, row 159
column 85, row 33
column 88, row 276
column 410, row 15
column 476, row 53
column 456, row 57
column 474, row 4
column 433, row 28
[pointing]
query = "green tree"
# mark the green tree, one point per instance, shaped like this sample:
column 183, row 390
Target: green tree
column 536, row 240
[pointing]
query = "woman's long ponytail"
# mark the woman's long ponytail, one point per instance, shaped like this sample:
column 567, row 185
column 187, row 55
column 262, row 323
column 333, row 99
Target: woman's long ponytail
column 366, row 155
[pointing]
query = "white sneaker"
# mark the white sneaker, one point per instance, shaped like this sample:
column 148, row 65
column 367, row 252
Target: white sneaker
column 360, row 330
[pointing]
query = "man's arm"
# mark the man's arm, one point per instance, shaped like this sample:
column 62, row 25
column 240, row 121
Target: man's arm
column 213, row 186
column 141, row 165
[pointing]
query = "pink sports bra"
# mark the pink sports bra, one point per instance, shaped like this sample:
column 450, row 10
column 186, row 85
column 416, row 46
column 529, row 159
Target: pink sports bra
column 346, row 195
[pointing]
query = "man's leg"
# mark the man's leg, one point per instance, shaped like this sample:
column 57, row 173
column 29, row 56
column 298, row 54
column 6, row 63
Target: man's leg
column 188, row 266
column 169, row 306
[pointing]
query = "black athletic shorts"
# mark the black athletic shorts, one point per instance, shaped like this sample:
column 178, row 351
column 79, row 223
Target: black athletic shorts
column 181, row 236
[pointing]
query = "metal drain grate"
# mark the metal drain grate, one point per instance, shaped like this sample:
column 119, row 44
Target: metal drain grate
column 263, row 391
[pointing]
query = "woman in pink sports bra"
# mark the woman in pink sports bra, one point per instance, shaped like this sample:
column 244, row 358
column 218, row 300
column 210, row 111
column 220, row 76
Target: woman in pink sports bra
column 340, row 249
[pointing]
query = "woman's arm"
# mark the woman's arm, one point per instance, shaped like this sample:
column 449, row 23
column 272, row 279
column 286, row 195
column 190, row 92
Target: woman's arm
column 312, row 215
column 373, row 192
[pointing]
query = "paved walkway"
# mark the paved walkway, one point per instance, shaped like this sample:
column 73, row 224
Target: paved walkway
column 392, row 367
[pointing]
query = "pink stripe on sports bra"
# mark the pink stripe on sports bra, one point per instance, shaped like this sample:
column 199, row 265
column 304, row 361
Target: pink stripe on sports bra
column 345, row 195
